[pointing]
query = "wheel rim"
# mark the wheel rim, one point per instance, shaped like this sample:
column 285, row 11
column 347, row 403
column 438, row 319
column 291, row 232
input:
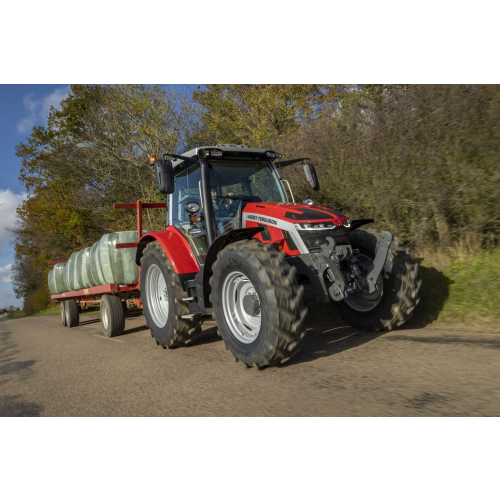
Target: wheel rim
column 241, row 306
column 157, row 295
column 62, row 313
column 105, row 317
column 364, row 302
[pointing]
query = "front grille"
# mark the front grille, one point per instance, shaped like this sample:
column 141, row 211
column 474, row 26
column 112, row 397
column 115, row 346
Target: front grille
column 314, row 239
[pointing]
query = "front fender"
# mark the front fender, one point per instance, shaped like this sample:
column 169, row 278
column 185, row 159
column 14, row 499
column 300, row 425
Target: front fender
column 222, row 241
column 176, row 248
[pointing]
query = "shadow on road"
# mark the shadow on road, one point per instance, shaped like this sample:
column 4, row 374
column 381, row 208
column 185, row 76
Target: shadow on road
column 15, row 406
column 89, row 322
column 320, row 341
column 209, row 336
column 323, row 341
column 127, row 331
column 434, row 293
column 10, row 367
column 8, row 363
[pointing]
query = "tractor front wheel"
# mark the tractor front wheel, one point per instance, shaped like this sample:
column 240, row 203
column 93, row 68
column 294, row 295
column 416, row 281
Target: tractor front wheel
column 257, row 304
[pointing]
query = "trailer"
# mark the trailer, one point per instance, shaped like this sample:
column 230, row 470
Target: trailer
column 114, row 299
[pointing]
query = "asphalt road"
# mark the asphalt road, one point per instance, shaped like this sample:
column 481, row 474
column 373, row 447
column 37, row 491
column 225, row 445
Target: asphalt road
column 49, row 370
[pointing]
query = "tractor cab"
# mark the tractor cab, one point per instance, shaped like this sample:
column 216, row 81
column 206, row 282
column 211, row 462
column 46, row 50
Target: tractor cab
column 234, row 181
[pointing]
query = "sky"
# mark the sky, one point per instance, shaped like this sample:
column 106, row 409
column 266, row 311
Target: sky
column 21, row 107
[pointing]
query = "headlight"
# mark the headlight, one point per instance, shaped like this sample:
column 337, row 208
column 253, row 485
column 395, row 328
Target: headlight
column 308, row 226
column 314, row 238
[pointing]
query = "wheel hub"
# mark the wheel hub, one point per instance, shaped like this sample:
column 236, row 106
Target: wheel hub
column 361, row 301
column 157, row 295
column 241, row 305
column 251, row 304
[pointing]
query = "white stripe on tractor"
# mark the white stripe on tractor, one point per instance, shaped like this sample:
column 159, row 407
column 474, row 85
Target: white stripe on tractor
column 281, row 224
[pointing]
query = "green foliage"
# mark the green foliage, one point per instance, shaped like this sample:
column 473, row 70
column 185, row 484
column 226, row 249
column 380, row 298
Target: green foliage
column 421, row 160
column 258, row 115
column 36, row 301
column 16, row 314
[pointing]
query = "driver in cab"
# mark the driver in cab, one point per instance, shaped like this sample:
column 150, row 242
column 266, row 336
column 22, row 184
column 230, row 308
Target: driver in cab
column 218, row 203
column 223, row 207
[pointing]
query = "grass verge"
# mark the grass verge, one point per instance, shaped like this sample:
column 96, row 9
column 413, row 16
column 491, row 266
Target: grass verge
column 463, row 291
column 51, row 311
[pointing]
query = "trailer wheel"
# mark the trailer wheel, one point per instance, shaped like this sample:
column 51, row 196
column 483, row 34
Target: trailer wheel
column 258, row 304
column 63, row 313
column 112, row 316
column 72, row 313
column 161, row 296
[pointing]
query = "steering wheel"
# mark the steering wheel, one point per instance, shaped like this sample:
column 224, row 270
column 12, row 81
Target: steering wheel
column 224, row 208
column 234, row 216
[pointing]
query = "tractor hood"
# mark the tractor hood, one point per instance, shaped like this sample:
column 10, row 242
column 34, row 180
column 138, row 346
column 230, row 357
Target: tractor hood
column 293, row 213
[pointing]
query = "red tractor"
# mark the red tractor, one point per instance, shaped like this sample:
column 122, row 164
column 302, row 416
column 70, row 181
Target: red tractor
column 238, row 248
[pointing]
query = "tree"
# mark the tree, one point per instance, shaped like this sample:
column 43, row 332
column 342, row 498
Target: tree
column 420, row 159
column 257, row 115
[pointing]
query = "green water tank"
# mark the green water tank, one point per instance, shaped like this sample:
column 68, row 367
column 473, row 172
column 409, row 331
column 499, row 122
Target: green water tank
column 56, row 280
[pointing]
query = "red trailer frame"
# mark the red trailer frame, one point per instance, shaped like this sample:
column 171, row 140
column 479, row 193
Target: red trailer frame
column 94, row 294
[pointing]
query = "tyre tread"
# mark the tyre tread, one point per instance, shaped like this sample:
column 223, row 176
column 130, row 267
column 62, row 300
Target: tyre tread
column 288, row 293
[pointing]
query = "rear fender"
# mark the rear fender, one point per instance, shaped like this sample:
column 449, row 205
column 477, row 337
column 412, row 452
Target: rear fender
column 223, row 241
column 176, row 248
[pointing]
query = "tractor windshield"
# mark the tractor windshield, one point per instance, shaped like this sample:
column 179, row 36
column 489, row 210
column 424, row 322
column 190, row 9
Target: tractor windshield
column 255, row 179
column 233, row 184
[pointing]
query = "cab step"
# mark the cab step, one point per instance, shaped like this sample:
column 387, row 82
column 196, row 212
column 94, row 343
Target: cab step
column 190, row 316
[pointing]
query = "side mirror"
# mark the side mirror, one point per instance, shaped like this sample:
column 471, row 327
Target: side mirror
column 164, row 175
column 311, row 176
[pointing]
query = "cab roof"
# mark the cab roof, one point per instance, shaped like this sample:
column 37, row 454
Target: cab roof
column 228, row 148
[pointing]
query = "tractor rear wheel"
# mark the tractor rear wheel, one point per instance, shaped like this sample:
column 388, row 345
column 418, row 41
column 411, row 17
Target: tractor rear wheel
column 72, row 313
column 395, row 300
column 257, row 304
column 112, row 315
column 161, row 296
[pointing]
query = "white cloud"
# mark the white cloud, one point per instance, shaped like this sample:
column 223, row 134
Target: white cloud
column 5, row 276
column 37, row 110
column 8, row 298
column 9, row 201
